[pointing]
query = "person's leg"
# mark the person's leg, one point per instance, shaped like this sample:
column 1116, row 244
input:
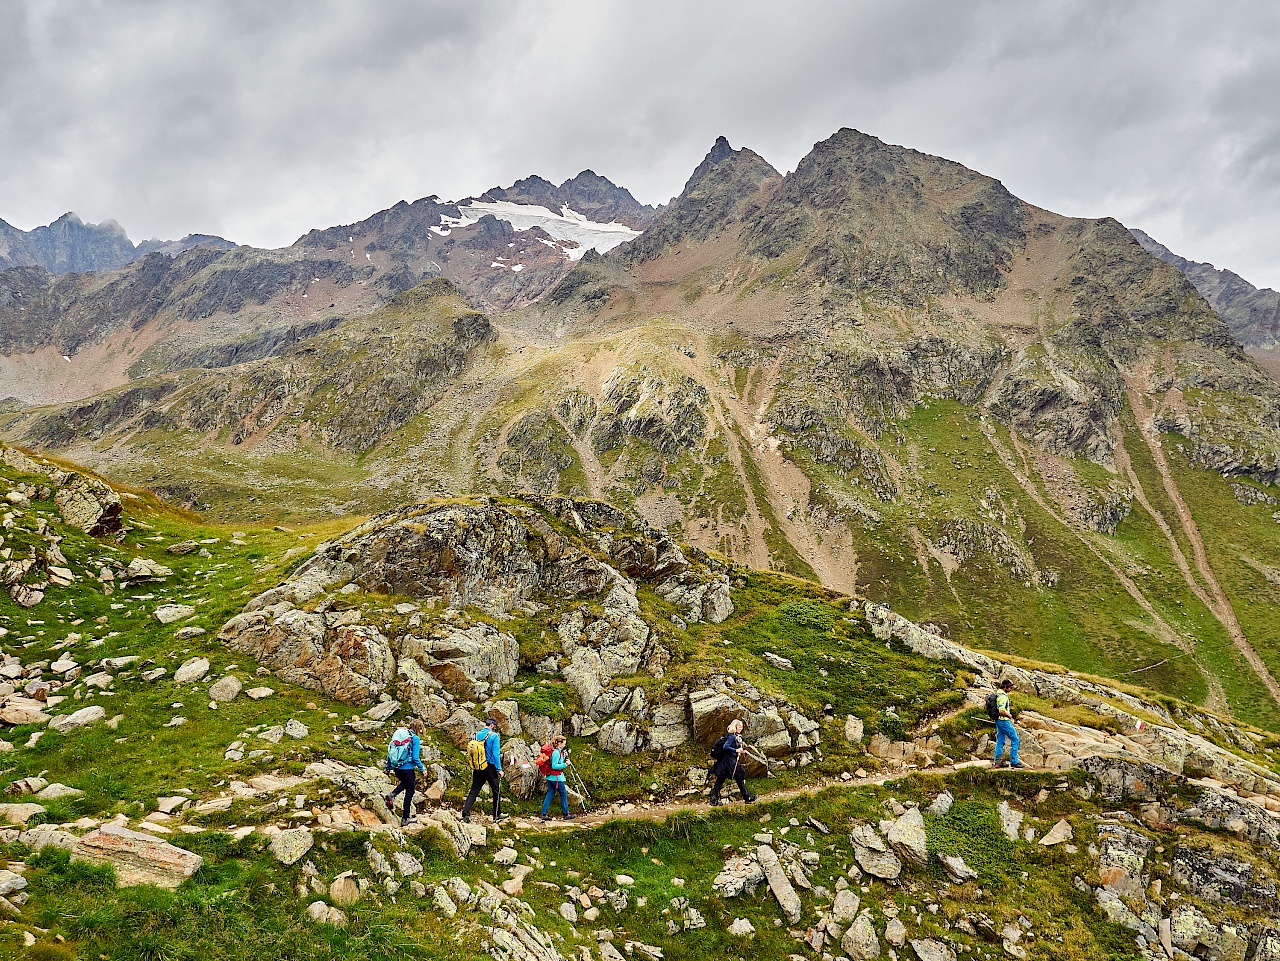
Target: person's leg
column 564, row 798
column 495, row 785
column 716, row 788
column 408, row 781
column 477, row 781
column 546, row 801
column 1000, row 737
column 742, row 788
column 1013, row 745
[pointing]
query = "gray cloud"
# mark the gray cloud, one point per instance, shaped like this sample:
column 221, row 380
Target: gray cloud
column 259, row 121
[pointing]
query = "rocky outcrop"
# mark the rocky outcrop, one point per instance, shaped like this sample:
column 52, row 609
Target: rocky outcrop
column 137, row 858
column 502, row 559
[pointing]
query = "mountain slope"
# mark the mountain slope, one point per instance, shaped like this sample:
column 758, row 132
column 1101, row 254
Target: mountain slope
column 1252, row 314
column 881, row 370
column 68, row 336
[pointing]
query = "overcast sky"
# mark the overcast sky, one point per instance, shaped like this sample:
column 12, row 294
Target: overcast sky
column 260, row 120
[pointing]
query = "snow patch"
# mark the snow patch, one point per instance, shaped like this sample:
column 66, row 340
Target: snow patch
column 567, row 226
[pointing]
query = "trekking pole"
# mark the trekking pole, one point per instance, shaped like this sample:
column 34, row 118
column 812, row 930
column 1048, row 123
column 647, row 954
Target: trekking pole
column 580, row 786
column 758, row 757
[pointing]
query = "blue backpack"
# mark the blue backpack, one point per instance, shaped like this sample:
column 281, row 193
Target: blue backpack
column 400, row 750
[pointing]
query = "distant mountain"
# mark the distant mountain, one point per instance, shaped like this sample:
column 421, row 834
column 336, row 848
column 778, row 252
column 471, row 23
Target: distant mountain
column 594, row 197
column 1252, row 314
column 69, row 245
column 125, row 311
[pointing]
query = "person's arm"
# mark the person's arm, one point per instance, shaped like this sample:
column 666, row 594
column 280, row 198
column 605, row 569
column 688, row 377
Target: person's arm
column 417, row 753
column 494, row 744
column 1006, row 709
column 558, row 761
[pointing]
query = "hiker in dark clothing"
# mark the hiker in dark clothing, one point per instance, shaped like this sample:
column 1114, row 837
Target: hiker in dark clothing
column 729, row 764
column 486, row 768
column 404, row 759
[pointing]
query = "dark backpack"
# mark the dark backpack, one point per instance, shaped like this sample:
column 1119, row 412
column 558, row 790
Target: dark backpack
column 993, row 709
column 718, row 749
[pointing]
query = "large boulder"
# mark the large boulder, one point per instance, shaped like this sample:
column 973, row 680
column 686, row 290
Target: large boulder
column 88, row 504
column 907, row 838
column 138, row 858
column 351, row 662
column 711, row 712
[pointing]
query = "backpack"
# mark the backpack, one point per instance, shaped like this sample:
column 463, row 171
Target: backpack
column 993, row 709
column 718, row 749
column 543, row 761
column 400, row 750
column 476, row 755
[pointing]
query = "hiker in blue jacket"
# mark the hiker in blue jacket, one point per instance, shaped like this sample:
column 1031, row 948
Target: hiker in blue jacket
column 404, row 759
column 555, row 780
column 488, row 771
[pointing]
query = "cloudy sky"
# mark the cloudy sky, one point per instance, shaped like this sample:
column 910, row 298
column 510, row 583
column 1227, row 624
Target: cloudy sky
column 258, row 121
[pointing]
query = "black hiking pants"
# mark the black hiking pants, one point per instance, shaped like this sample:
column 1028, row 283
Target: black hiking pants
column 479, row 779
column 408, row 781
column 739, row 779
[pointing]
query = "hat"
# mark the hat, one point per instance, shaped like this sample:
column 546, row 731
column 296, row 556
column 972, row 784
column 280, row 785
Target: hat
column 492, row 722
column 1006, row 683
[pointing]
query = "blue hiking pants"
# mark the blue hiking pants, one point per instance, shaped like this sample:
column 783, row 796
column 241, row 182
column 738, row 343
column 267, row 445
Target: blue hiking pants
column 553, row 788
column 1005, row 731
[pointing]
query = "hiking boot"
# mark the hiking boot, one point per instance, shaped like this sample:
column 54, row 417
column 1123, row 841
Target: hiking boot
column 714, row 800
column 1000, row 764
column 545, row 819
column 466, row 819
column 751, row 799
column 405, row 822
column 500, row 817
column 570, row 816
column 1018, row 765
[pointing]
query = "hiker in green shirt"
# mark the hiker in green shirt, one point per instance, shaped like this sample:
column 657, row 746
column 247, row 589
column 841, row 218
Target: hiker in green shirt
column 1004, row 727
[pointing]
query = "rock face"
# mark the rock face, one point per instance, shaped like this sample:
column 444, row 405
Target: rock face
column 498, row 558
column 138, row 858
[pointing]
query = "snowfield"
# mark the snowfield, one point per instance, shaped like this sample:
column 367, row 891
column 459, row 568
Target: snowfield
column 576, row 232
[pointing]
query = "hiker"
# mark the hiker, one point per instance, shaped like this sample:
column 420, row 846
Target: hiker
column 404, row 759
column 557, row 759
column 485, row 757
column 1004, row 727
column 728, row 754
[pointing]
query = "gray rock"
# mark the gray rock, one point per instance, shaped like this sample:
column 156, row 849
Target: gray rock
column 779, row 883
column 86, row 715
column 941, row 805
column 873, row 855
column 853, row 729
column 845, row 907
column 742, row 928
column 895, row 932
column 860, row 942
column 191, row 671
column 291, row 845
column 442, row 903
column 345, row 891
column 907, row 838
column 168, row 613
column 711, row 712
column 296, row 729
column 1010, row 820
column 11, row 882
column 956, row 869
column 225, row 689
column 617, row 736
column 927, row 949
column 1219, row 878
column 1057, row 834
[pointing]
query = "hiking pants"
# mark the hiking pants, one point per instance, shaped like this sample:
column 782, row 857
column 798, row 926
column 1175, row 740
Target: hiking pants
column 479, row 779
column 739, row 779
column 1005, row 731
column 408, row 780
column 554, row 788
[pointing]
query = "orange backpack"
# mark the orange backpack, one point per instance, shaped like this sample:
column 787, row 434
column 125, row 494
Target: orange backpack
column 543, row 761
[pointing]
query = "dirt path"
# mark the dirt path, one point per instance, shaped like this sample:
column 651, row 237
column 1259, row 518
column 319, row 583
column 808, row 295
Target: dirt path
column 1218, row 603
column 656, row 812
